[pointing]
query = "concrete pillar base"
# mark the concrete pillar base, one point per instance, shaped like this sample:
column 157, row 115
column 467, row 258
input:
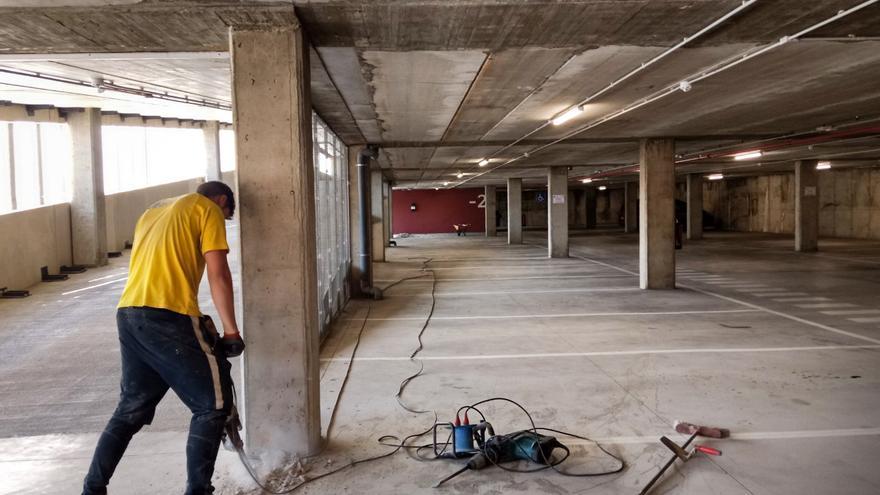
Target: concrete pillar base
column 88, row 221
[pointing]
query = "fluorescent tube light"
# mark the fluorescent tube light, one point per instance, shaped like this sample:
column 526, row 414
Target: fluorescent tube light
column 459, row 175
column 586, row 181
column 483, row 162
column 445, row 183
column 715, row 176
column 602, row 188
column 748, row 155
column 568, row 115
column 823, row 165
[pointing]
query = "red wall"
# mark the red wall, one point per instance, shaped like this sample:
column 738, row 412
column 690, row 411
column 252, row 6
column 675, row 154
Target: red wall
column 437, row 211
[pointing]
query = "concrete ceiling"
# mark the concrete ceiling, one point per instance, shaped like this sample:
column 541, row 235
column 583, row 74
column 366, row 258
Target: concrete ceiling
column 443, row 84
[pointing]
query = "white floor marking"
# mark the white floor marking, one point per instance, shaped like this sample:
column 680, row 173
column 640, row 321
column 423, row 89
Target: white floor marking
column 756, row 435
column 774, row 294
column 94, row 286
column 641, row 352
column 770, row 289
column 563, row 315
column 750, row 305
column 524, row 291
column 865, row 320
column 752, row 287
column 843, row 312
column 493, row 279
column 802, row 299
column 825, row 305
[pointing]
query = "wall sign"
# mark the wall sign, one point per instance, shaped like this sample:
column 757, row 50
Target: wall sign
column 482, row 202
column 559, row 199
column 539, row 197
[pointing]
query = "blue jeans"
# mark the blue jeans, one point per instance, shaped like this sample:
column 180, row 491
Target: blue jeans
column 162, row 349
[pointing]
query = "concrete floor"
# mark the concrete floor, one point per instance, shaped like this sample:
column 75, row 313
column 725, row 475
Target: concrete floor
column 779, row 347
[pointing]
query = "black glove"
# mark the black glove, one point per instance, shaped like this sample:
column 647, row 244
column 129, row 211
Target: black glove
column 232, row 345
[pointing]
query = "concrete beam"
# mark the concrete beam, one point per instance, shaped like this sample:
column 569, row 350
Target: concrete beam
column 806, row 206
column 657, row 214
column 514, row 211
column 377, row 216
column 270, row 78
column 88, row 223
column 491, row 201
column 557, row 212
column 694, row 206
column 212, row 150
column 631, row 207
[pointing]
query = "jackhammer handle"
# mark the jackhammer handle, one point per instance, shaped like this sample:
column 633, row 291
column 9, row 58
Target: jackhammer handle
column 707, row 450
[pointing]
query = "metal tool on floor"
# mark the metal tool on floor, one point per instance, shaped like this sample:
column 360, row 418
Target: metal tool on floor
column 681, row 451
column 524, row 445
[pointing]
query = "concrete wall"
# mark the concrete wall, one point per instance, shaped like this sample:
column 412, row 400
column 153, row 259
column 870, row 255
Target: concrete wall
column 31, row 239
column 609, row 207
column 125, row 208
column 849, row 203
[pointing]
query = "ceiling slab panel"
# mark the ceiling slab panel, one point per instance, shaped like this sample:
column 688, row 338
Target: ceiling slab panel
column 416, row 94
column 507, row 79
column 344, row 69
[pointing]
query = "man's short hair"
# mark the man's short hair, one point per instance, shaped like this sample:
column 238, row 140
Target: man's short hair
column 216, row 188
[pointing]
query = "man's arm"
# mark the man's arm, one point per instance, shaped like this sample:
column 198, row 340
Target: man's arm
column 220, row 280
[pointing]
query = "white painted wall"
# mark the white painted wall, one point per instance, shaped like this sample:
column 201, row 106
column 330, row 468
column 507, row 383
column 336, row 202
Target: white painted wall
column 31, row 239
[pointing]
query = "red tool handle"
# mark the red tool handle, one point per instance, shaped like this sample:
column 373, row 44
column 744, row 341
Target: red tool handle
column 707, row 450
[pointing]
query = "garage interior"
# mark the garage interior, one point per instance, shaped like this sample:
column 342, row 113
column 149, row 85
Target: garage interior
column 617, row 214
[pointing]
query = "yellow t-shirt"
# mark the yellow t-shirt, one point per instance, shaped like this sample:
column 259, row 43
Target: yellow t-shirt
column 167, row 258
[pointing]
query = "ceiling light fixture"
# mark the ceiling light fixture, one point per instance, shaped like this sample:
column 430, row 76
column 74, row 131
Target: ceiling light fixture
column 602, row 188
column 446, row 183
column 823, row 165
column 568, row 115
column 586, row 181
column 748, row 155
column 459, row 175
column 715, row 176
column 483, row 162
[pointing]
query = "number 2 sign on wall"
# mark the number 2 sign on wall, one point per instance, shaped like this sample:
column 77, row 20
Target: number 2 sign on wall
column 482, row 201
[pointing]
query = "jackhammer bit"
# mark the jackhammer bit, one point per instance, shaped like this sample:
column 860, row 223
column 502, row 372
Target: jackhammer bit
column 231, row 438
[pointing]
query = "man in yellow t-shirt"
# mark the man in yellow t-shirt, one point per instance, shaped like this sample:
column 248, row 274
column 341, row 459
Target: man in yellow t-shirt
column 162, row 341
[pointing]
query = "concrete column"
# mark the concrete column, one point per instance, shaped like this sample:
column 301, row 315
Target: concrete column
column 377, row 215
column 590, row 194
column 631, row 207
column 657, row 213
column 579, row 196
column 88, row 223
column 557, row 212
column 514, row 211
column 806, row 206
column 273, row 118
column 386, row 212
column 212, row 150
column 389, row 214
column 694, row 206
column 354, row 219
column 491, row 208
